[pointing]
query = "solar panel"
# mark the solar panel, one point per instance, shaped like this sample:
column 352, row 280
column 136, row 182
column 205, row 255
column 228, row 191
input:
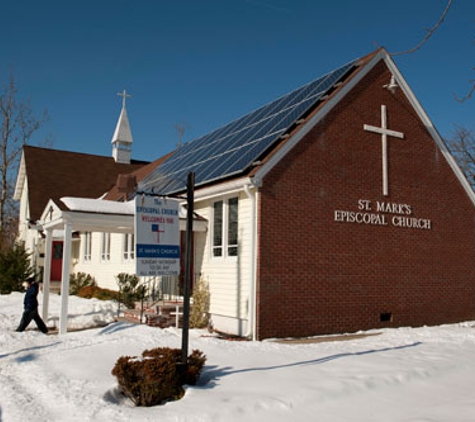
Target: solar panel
column 234, row 147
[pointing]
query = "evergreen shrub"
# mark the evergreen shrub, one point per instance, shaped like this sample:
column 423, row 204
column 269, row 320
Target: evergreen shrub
column 79, row 281
column 158, row 375
column 15, row 268
column 129, row 289
column 199, row 314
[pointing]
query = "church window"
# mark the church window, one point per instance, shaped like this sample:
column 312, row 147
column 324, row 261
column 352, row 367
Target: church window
column 87, row 246
column 106, row 247
column 233, row 227
column 218, row 228
column 129, row 247
column 225, row 228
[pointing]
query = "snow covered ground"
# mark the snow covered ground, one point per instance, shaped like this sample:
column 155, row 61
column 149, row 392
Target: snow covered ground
column 423, row 374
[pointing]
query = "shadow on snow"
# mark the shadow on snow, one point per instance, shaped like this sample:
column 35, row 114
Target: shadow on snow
column 29, row 356
column 214, row 373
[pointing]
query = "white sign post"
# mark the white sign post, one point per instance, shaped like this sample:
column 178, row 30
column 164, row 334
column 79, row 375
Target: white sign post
column 157, row 236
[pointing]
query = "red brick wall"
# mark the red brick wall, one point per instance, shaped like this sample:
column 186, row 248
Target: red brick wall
column 316, row 275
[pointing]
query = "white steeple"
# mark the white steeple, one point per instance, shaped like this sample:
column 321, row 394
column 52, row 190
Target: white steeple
column 122, row 139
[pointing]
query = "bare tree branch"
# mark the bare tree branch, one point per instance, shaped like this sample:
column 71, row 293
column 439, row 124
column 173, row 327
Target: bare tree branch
column 429, row 32
column 470, row 92
column 462, row 147
column 17, row 127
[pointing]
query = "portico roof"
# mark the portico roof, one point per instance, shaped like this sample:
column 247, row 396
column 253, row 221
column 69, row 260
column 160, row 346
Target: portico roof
column 99, row 215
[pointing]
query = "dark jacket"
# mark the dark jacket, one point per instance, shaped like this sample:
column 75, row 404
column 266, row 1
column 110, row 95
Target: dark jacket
column 30, row 301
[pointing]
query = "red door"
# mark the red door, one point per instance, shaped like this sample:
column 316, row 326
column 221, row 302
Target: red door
column 57, row 261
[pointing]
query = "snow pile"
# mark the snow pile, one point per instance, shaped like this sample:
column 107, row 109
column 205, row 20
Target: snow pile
column 82, row 313
column 102, row 206
column 391, row 375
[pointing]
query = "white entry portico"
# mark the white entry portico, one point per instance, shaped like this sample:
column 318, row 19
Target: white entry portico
column 84, row 215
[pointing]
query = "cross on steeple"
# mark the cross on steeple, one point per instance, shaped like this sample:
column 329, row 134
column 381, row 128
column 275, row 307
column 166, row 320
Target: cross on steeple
column 122, row 138
column 385, row 132
column 124, row 96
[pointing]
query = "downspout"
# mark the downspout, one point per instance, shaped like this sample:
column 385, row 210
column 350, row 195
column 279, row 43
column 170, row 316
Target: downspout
column 251, row 325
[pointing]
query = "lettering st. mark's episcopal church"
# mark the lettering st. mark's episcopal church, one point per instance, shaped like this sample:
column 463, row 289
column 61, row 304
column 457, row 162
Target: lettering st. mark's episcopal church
column 333, row 209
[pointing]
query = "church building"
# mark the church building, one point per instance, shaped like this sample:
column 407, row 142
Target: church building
column 335, row 208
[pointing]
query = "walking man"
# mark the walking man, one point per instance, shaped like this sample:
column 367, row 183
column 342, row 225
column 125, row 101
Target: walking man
column 30, row 312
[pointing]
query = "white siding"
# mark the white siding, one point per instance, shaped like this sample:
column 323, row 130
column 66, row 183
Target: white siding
column 228, row 277
column 23, row 215
column 104, row 272
column 25, row 234
column 30, row 237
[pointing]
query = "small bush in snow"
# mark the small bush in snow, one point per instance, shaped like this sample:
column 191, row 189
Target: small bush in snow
column 96, row 292
column 129, row 289
column 199, row 315
column 157, row 376
column 79, row 281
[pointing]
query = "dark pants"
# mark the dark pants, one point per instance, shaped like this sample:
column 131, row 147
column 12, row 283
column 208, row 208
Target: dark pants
column 26, row 318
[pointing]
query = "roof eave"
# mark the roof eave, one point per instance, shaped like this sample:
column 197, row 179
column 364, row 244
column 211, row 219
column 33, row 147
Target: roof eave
column 268, row 165
column 20, row 180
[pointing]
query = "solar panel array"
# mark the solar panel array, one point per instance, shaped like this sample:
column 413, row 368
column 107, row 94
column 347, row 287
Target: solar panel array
column 233, row 148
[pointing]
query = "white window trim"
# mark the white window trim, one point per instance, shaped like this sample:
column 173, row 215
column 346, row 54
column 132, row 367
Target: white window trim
column 106, row 247
column 225, row 230
column 128, row 247
column 86, row 256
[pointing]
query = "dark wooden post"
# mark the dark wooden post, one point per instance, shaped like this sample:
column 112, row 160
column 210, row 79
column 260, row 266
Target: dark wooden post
column 188, row 266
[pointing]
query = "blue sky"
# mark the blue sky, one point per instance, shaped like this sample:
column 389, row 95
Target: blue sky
column 204, row 63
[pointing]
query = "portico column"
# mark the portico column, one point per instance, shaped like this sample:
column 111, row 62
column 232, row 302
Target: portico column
column 63, row 319
column 47, row 273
